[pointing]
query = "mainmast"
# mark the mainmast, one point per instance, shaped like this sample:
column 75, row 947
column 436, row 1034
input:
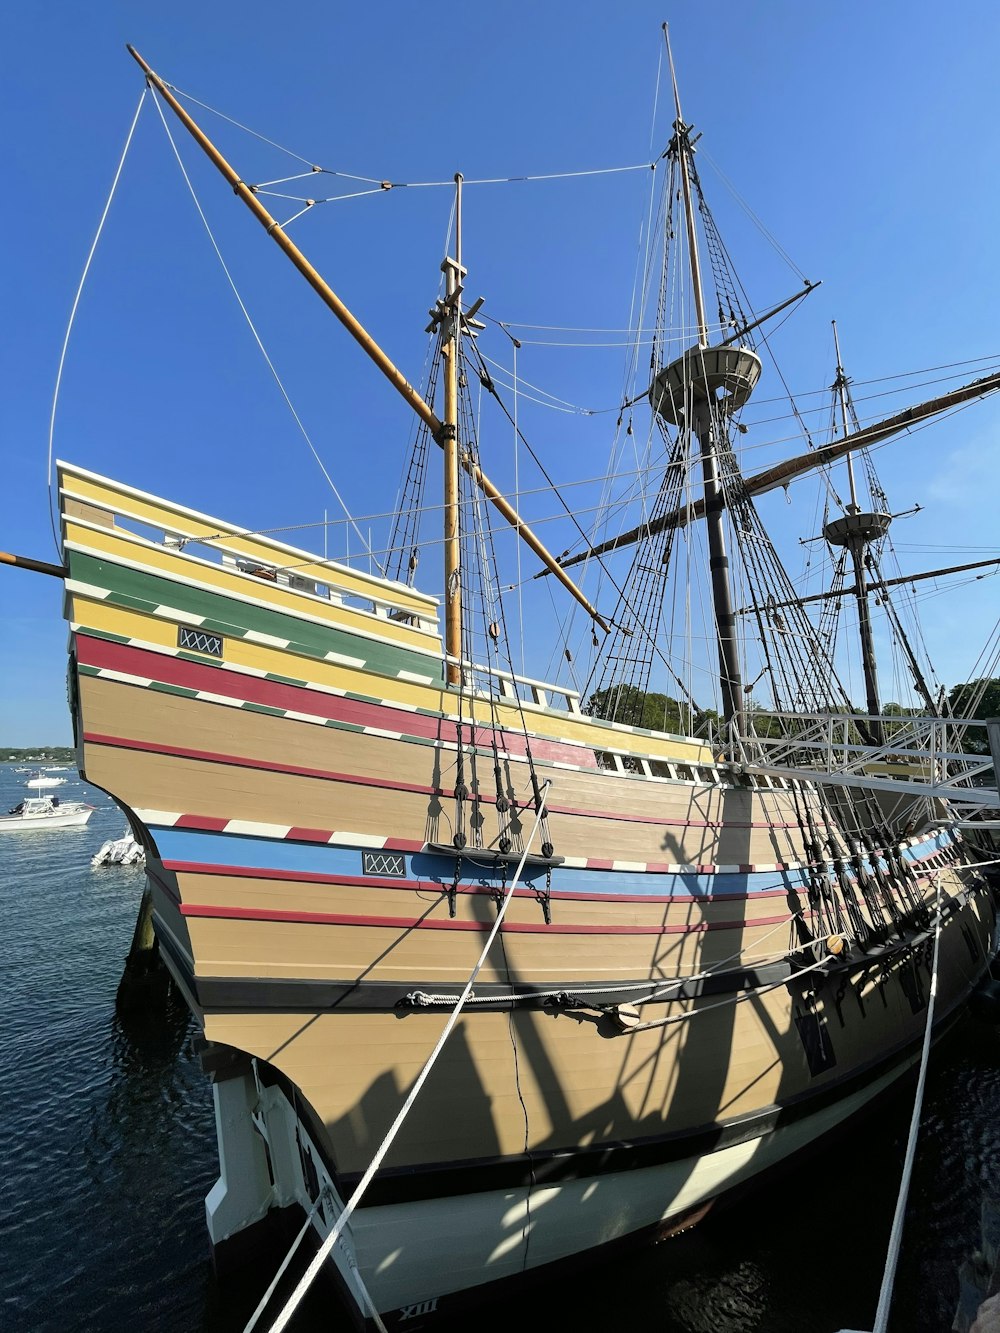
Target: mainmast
column 450, row 350
column 698, row 391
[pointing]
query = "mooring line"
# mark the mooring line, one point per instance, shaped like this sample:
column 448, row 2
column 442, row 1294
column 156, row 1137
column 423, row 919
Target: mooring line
column 305, row 1282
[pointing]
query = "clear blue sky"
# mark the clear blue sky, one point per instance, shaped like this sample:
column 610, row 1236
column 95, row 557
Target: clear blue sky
column 863, row 134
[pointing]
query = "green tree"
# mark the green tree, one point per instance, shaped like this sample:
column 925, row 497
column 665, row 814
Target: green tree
column 961, row 699
column 641, row 708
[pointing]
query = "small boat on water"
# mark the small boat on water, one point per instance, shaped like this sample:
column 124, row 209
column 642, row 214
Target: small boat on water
column 39, row 781
column 123, row 851
column 45, row 812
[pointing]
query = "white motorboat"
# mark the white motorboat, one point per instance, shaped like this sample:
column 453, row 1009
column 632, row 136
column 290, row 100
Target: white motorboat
column 39, row 781
column 45, row 812
column 123, row 851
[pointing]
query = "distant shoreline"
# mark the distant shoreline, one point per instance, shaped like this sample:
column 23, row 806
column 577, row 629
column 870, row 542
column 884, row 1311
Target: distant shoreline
column 43, row 754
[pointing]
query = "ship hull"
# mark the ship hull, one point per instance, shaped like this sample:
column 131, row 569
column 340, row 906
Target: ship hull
column 434, row 1257
column 682, row 993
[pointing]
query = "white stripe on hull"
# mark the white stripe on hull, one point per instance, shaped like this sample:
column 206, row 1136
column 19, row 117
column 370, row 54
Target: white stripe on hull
column 414, row 1252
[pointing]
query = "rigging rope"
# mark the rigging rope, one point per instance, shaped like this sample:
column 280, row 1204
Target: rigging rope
column 896, row 1234
column 72, row 315
column 337, row 1230
column 256, row 335
column 384, row 186
column 381, row 182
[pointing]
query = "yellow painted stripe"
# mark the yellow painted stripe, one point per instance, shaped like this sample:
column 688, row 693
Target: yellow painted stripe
column 572, row 727
column 121, row 545
column 128, row 503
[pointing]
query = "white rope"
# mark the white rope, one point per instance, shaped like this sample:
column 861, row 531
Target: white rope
column 896, row 1235
column 676, row 983
column 321, row 1255
column 256, row 335
column 262, row 1304
column 722, row 1004
column 513, row 180
column 76, row 302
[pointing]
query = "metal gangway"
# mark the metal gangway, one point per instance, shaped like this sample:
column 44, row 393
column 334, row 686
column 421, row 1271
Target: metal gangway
column 934, row 759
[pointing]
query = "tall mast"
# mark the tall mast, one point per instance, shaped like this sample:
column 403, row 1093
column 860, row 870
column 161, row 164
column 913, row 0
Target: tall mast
column 857, row 531
column 840, row 385
column 791, row 469
column 693, row 383
column 454, row 273
column 682, row 147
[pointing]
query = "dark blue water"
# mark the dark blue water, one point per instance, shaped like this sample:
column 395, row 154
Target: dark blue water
column 109, row 1150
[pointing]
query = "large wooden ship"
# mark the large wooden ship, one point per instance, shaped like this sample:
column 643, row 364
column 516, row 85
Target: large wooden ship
column 708, row 958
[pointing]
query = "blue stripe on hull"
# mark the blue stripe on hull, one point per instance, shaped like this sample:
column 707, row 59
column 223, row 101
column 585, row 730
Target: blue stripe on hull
column 240, row 851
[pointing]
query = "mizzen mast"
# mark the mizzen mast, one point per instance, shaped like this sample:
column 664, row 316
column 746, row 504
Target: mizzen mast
column 698, row 392
column 856, row 531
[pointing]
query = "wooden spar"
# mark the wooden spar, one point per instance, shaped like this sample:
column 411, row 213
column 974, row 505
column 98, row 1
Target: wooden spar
column 449, row 443
column 270, row 224
column 793, row 468
column 529, row 538
column 358, row 332
column 876, row 586
column 762, row 319
column 680, row 129
column 38, row 566
column 741, row 332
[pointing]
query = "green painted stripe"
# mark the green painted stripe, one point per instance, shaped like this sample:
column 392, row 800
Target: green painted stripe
column 107, row 634
column 162, row 688
column 139, row 590
column 288, row 680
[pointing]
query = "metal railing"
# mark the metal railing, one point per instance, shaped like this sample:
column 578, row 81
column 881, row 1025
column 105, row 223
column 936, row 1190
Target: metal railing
column 930, row 758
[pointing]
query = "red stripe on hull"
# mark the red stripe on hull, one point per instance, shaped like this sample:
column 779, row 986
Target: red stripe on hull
column 482, row 927
column 354, row 780
column 207, row 823
column 431, row 886
column 102, row 653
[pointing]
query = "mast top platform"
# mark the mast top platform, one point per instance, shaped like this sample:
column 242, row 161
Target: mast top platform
column 857, row 529
column 726, row 376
